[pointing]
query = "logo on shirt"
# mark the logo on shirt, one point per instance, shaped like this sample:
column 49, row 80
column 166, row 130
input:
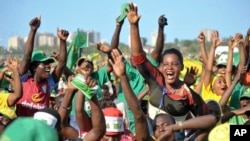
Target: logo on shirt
column 35, row 98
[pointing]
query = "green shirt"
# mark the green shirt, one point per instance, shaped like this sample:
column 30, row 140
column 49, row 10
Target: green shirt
column 235, row 97
column 137, row 84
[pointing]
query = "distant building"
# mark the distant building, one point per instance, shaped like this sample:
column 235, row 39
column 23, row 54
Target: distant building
column 94, row 37
column 154, row 38
column 46, row 39
column 50, row 40
column 15, row 42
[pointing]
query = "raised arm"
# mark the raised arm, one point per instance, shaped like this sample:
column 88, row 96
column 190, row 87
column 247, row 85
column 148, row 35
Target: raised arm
column 233, row 42
column 133, row 18
column 156, row 53
column 15, row 81
column 225, row 97
column 62, row 57
column 202, row 40
column 97, row 117
column 141, row 127
column 83, row 121
column 67, row 72
column 209, row 67
column 64, row 111
column 247, row 44
column 25, row 62
column 116, row 34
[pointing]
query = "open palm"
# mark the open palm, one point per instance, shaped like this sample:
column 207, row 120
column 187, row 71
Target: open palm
column 117, row 63
column 132, row 14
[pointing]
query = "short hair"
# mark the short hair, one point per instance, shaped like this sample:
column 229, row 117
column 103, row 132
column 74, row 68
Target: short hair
column 172, row 120
column 172, row 51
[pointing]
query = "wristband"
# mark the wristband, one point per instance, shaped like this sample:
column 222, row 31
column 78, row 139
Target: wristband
column 180, row 126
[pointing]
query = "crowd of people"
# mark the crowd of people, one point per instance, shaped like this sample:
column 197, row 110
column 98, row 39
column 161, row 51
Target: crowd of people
column 110, row 104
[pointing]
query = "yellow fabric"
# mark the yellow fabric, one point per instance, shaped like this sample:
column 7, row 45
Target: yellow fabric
column 8, row 112
column 208, row 94
column 4, row 100
column 220, row 132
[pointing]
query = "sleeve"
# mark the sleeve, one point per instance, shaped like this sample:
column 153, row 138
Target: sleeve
column 147, row 70
column 4, row 99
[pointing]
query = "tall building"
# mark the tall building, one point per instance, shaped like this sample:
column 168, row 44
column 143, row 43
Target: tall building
column 94, row 37
column 46, row 39
column 15, row 42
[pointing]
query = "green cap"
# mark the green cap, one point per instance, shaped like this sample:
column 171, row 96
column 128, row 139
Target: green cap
column 29, row 129
column 124, row 9
column 246, row 93
column 40, row 56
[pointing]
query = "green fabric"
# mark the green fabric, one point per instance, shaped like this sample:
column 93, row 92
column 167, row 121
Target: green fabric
column 235, row 97
column 153, row 61
column 4, row 83
column 80, row 41
column 79, row 83
column 137, row 84
column 246, row 92
column 124, row 9
column 237, row 119
column 40, row 56
column 29, row 129
column 101, row 76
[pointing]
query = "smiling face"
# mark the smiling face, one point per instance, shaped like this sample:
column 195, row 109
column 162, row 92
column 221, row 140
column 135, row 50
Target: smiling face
column 43, row 70
column 219, row 85
column 171, row 67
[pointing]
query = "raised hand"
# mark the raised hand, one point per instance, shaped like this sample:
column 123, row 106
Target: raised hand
column 201, row 38
column 132, row 14
column 35, row 23
column 162, row 21
column 117, row 63
column 119, row 23
column 69, row 85
column 103, row 48
column 233, row 42
column 12, row 71
column 55, row 55
column 190, row 76
column 216, row 39
column 62, row 34
column 90, row 81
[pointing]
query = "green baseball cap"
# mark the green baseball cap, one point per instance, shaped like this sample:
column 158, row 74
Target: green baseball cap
column 124, row 9
column 246, row 93
column 29, row 129
column 40, row 56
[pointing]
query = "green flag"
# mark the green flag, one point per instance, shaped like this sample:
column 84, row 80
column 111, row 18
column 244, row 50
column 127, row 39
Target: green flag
column 80, row 41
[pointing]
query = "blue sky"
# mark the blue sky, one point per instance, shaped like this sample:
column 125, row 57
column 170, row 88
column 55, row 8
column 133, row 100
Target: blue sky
column 185, row 17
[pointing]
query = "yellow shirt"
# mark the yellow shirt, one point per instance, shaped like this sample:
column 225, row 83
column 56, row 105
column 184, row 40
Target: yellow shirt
column 4, row 99
column 208, row 94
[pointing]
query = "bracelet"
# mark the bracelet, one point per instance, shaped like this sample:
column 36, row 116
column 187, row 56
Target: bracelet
column 66, row 108
column 180, row 126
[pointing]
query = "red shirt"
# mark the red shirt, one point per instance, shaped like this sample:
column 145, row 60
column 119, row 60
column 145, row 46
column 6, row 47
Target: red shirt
column 35, row 96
